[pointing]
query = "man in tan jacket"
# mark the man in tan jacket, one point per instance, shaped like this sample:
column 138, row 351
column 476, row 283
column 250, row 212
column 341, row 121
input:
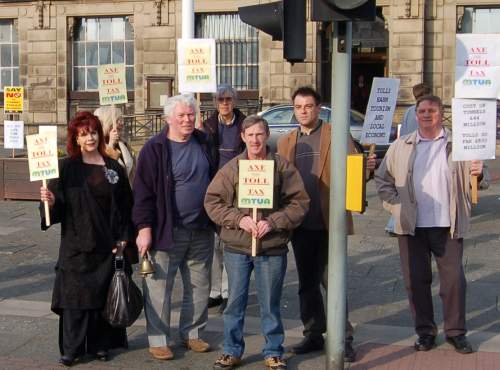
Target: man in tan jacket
column 429, row 197
column 272, row 230
column 308, row 148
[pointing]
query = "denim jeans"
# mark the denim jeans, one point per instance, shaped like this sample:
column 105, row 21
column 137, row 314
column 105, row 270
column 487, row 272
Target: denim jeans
column 269, row 275
column 192, row 256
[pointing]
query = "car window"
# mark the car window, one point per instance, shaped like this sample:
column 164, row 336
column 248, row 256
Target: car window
column 324, row 115
column 357, row 119
column 278, row 116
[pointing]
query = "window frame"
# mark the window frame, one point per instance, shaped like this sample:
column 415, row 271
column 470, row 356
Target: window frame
column 93, row 93
column 13, row 41
column 248, row 41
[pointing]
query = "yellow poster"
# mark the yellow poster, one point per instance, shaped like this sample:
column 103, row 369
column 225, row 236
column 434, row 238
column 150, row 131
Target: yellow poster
column 13, row 98
column 255, row 184
column 196, row 60
column 112, row 84
column 42, row 156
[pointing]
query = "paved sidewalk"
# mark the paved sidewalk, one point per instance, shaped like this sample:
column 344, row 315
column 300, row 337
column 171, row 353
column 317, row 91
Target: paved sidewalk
column 377, row 301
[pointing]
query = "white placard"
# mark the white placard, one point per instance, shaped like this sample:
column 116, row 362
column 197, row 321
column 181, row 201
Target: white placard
column 13, row 134
column 477, row 82
column 380, row 110
column 197, row 68
column 474, row 129
column 477, row 66
column 42, row 129
column 477, row 50
column 42, row 156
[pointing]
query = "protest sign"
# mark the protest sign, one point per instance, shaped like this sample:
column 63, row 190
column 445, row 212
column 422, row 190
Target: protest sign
column 255, row 188
column 112, row 84
column 13, row 134
column 474, row 129
column 477, row 66
column 43, row 129
column 196, row 61
column 13, row 99
column 42, row 156
column 380, row 110
column 42, row 161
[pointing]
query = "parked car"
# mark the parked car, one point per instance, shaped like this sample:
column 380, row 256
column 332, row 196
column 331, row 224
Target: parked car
column 281, row 120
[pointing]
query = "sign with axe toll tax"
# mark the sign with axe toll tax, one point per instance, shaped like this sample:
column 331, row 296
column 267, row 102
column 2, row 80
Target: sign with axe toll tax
column 112, row 84
column 42, row 156
column 255, row 183
column 197, row 67
column 13, row 99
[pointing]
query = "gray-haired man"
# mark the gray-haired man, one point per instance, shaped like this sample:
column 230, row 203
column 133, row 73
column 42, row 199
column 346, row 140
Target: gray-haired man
column 223, row 128
column 173, row 173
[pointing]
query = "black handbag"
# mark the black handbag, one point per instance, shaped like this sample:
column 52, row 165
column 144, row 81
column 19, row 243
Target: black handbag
column 124, row 301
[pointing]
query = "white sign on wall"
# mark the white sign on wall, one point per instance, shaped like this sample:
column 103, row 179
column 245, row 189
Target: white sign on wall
column 477, row 66
column 474, row 129
column 380, row 110
column 13, row 134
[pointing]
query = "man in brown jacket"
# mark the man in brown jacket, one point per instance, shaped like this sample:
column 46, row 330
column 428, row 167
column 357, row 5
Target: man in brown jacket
column 428, row 194
column 272, row 230
column 308, row 148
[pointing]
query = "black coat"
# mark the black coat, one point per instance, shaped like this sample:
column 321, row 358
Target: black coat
column 86, row 262
column 211, row 127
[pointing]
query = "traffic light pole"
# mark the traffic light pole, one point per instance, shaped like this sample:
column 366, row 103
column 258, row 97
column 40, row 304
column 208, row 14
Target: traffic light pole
column 337, row 243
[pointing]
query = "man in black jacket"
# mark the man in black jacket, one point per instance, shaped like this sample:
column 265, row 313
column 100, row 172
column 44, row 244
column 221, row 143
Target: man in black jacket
column 223, row 128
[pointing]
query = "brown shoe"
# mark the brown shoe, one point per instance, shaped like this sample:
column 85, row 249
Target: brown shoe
column 275, row 363
column 161, row 353
column 197, row 345
column 226, row 362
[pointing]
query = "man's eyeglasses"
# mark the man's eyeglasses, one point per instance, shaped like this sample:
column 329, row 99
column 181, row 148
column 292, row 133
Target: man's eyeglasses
column 226, row 99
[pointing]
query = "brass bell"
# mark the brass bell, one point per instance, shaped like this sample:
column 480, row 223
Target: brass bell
column 146, row 267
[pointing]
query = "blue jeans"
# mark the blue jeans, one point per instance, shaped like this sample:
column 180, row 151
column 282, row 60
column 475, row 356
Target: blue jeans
column 269, row 276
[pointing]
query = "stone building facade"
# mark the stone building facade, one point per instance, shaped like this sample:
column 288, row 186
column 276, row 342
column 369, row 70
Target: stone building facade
column 415, row 41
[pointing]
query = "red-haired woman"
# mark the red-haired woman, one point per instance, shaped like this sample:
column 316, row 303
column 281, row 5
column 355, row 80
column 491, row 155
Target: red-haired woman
column 92, row 200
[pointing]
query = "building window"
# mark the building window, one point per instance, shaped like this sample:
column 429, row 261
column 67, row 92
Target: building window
column 101, row 41
column 9, row 54
column 480, row 20
column 237, row 49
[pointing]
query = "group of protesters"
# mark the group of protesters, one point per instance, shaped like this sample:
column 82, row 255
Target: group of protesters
column 183, row 215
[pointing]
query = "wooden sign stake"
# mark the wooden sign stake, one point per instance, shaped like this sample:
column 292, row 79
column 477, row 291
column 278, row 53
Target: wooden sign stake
column 369, row 174
column 473, row 183
column 113, row 116
column 254, row 239
column 198, row 99
column 46, row 207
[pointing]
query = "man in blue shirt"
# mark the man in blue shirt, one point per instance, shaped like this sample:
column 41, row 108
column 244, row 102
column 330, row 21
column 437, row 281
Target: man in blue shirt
column 173, row 173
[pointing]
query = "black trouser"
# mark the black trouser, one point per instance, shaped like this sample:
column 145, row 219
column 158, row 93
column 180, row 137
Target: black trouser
column 85, row 331
column 415, row 254
column 311, row 257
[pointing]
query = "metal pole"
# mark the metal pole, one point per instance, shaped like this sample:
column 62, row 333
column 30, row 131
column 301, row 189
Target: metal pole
column 337, row 242
column 188, row 19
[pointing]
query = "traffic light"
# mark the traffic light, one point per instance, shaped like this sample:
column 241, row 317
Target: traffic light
column 343, row 10
column 283, row 20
